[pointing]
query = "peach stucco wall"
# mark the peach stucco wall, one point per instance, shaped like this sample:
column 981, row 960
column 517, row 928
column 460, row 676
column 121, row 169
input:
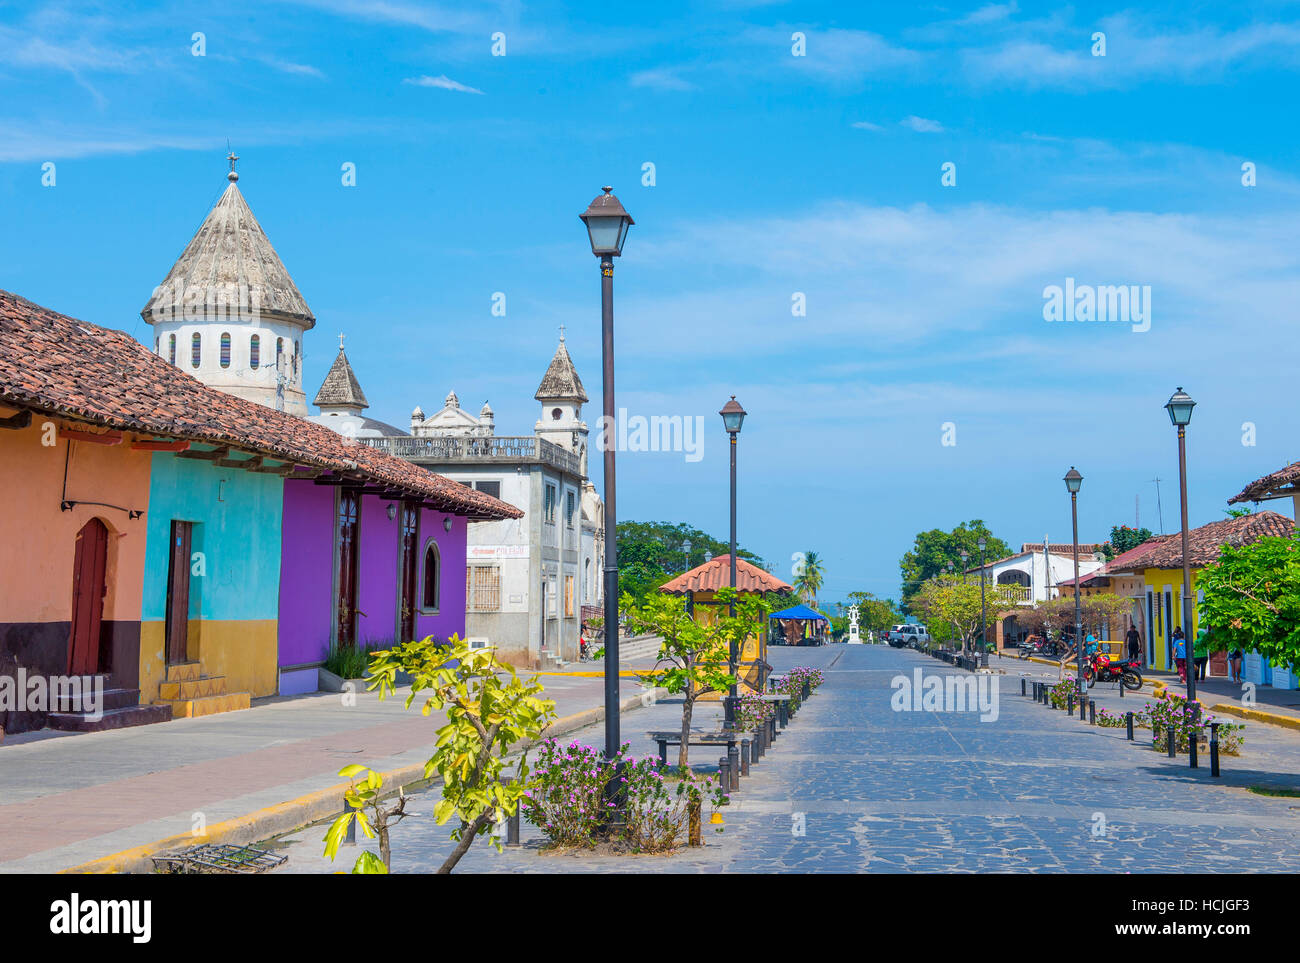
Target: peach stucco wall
column 39, row 540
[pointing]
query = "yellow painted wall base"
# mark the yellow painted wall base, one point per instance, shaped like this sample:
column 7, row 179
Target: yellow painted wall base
column 244, row 654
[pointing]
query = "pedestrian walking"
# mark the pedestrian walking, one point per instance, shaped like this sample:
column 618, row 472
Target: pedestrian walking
column 1180, row 653
column 1134, row 642
column 1234, row 663
column 1201, row 653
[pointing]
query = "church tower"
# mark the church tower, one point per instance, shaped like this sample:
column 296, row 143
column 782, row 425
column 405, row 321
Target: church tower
column 562, row 397
column 228, row 312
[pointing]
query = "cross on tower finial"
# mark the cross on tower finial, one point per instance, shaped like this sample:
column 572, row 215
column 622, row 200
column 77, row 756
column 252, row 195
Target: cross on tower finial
column 561, row 334
column 341, row 337
column 232, row 157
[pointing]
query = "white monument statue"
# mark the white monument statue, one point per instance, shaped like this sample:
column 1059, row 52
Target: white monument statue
column 854, row 637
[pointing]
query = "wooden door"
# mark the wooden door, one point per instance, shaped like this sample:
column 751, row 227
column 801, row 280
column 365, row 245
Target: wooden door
column 349, row 548
column 178, row 593
column 409, row 566
column 88, row 589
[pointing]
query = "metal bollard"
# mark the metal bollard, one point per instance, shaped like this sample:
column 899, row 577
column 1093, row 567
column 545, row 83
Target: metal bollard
column 756, row 745
column 350, row 837
column 1214, row 749
column 724, row 774
column 1171, row 737
column 1069, row 702
column 1191, row 737
column 1128, row 722
column 1092, row 713
column 783, row 712
column 746, row 755
column 512, row 823
column 733, row 763
column 806, row 691
column 1083, row 707
column 1022, row 686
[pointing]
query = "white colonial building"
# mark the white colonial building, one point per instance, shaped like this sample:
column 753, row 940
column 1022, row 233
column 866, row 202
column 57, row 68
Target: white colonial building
column 528, row 579
column 1035, row 573
column 228, row 312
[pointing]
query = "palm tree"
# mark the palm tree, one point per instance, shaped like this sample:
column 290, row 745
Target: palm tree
column 808, row 582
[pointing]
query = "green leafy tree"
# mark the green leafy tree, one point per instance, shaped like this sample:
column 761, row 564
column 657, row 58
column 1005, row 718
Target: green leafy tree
column 951, row 607
column 933, row 551
column 810, row 573
column 1123, row 538
column 377, row 823
column 1251, row 599
column 693, row 656
column 489, row 709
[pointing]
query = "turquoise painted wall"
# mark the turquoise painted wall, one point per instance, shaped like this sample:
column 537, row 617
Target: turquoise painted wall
column 238, row 516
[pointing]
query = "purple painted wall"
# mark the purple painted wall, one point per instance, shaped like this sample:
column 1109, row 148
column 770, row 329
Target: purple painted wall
column 307, row 577
column 450, row 619
column 306, row 573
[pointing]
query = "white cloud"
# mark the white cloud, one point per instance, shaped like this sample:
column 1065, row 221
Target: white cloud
column 442, row 82
column 661, row 78
column 922, row 125
column 866, row 125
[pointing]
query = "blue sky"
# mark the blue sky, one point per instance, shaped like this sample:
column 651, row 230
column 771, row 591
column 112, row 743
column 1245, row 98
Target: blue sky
column 774, row 174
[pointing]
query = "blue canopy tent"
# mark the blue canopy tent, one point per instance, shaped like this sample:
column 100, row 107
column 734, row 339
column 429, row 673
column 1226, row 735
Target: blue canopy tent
column 799, row 613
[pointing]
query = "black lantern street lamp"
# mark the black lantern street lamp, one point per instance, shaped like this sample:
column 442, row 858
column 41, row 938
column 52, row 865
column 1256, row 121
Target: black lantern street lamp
column 607, row 223
column 1180, row 414
column 1073, row 482
column 982, row 544
column 733, row 416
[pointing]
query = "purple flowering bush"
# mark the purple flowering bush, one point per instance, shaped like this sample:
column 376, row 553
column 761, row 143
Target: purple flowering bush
column 752, row 711
column 566, row 794
column 569, row 791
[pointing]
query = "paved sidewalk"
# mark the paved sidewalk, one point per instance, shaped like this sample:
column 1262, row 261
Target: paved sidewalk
column 71, row 798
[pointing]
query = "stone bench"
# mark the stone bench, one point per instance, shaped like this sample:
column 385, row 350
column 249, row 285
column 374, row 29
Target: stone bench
column 698, row 737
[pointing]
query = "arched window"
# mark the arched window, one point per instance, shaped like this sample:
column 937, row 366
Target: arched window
column 296, row 346
column 254, row 351
column 429, row 595
column 225, row 349
column 171, row 348
column 196, row 349
column 279, row 352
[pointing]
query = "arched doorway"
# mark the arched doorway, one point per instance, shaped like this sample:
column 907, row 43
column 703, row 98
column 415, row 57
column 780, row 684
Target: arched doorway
column 88, row 589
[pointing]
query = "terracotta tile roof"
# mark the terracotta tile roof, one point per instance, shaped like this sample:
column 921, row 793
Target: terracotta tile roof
column 1262, row 488
column 1128, row 561
column 60, row 366
column 1204, row 542
column 716, row 573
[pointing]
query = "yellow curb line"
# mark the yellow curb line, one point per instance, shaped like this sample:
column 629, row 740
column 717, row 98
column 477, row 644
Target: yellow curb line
column 1256, row 715
column 295, row 813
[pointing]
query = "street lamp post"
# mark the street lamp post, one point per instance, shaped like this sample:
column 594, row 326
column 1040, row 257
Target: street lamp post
column 733, row 416
column 1073, row 482
column 1180, row 414
column 607, row 223
column 984, row 619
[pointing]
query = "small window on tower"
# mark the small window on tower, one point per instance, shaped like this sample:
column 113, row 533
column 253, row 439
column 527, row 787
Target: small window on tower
column 555, row 414
column 196, row 349
column 254, row 351
column 225, row 349
column 171, row 348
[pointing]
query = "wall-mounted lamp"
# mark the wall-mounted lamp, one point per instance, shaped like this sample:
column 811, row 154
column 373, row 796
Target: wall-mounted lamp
column 446, row 524
column 392, row 511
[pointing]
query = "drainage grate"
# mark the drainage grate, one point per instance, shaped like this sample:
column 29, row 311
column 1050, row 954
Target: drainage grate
column 211, row 858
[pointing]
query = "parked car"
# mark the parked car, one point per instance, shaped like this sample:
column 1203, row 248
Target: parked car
column 893, row 636
column 914, row 636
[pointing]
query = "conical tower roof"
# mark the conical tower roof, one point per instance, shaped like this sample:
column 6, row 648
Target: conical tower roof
column 340, row 386
column 561, row 381
column 229, row 258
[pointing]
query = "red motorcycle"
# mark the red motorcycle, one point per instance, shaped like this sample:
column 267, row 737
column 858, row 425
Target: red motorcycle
column 1127, row 672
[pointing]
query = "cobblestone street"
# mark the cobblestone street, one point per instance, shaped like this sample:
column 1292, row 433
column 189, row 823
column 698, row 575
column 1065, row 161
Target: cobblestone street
column 853, row 786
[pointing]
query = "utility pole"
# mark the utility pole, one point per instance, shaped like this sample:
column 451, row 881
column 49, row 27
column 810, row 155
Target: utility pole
column 1160, row 511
